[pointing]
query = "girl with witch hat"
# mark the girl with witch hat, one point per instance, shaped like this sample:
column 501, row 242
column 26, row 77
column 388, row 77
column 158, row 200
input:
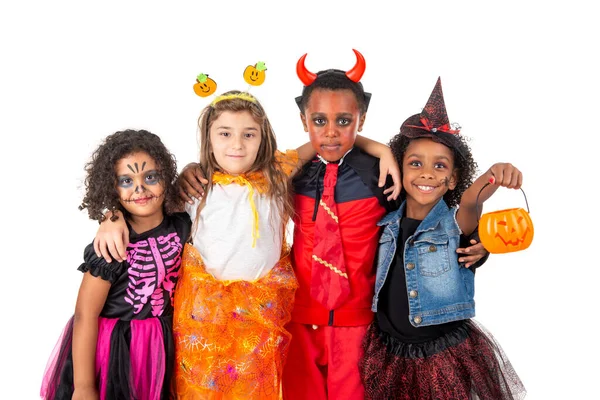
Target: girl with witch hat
column 423, row 343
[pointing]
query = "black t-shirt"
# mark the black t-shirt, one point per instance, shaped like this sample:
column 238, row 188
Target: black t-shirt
column 143, row 285
column 392, row 309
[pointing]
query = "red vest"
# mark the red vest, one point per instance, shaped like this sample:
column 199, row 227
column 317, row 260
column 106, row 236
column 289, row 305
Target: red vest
column 359, row 210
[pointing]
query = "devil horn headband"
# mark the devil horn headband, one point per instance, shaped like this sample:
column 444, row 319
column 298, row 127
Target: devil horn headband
column 354, row 74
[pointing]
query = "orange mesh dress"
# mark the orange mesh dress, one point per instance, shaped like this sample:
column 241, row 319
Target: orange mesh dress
column 231, row 305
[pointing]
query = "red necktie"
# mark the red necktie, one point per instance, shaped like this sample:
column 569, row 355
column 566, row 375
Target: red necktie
column 329, row 280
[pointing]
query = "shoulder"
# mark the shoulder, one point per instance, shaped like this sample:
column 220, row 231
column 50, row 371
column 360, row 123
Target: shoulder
column 287, row 161
column 182, row 224
column 98, row 267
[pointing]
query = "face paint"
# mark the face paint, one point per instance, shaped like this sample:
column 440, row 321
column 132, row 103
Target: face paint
column 141, row 193
column 124, row 181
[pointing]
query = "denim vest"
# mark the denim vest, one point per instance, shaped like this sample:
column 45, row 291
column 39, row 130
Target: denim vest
column 439, row 290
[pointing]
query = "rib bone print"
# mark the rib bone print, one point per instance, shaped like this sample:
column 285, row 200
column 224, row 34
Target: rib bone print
column 154, row 265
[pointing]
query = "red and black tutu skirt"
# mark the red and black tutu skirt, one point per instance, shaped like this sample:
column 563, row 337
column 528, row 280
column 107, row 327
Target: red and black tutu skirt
column 466, row 363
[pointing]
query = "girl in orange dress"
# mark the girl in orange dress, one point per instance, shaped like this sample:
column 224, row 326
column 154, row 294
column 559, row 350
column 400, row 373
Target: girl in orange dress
column 237, row 287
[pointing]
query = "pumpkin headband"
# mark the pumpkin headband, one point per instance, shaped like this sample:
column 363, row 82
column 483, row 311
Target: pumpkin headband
column 434, row 121
column 240, row 95
column 354, row 74
column 254, row 75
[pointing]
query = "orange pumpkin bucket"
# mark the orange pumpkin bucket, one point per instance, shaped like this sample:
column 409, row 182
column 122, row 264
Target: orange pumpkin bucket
column 505, row 231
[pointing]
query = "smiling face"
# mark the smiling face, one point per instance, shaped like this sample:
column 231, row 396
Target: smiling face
column 205, row 87
column 253, row 76
column 332, row 119
column 427, row 174
column 235, row 139
column 140, row 187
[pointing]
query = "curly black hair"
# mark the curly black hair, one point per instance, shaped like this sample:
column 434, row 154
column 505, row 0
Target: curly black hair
column 101, row 180
column 463, row 161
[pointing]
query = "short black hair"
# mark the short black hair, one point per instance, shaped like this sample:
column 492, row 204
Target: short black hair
column 335, row 79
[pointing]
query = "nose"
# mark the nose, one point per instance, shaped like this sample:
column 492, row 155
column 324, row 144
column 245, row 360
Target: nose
column 237, row 142
column 427, row 173
column 331, row 131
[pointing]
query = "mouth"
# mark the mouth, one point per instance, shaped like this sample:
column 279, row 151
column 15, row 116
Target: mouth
column 142, row 200
column 330, row 147
column 235, row 156
column 425, row 188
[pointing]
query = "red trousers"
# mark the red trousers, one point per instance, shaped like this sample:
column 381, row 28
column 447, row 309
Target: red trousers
column 322, row 363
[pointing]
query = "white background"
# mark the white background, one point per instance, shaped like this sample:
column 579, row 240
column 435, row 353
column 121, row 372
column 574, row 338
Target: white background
column 520, row 77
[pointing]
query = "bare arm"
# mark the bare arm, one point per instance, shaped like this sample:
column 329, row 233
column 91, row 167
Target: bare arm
column 388, row 164
column 306, row 152
column 500, row 174
column 91, row 298
column 112, row 238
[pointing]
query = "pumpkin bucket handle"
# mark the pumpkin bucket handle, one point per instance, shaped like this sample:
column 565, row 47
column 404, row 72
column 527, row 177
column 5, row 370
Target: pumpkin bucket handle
column 486, row 185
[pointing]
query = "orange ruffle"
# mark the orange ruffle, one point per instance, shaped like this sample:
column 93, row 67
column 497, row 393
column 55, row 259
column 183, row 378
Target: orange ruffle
column 230, row 341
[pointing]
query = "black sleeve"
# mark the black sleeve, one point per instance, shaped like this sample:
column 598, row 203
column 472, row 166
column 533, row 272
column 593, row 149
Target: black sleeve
column 98, row 267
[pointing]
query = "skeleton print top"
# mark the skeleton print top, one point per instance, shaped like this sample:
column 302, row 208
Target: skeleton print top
column 143, row 286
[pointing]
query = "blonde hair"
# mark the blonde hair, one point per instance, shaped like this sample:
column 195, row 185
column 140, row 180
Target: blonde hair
column 279, row 186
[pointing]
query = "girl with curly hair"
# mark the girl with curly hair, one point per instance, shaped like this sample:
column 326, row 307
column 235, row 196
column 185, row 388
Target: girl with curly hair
column 423, row 343
column 119, row 343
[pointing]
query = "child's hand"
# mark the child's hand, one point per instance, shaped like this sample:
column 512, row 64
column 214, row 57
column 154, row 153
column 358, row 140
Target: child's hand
column 389, row 166
column 191, row 183
column 505, row 174
column 472, row 254
column 112, row 238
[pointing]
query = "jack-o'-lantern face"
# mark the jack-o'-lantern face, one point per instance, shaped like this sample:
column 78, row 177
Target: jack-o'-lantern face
column 255, row 74
column 204, row 86
column 505, row 231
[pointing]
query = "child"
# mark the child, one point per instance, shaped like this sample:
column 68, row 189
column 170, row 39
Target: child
column 423, row 344
column 333, row 252
column 119, row 342
column 237, row 287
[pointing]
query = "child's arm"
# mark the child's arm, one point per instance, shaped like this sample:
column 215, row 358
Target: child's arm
column 112, row 238
column 500, row 174
column 92, row 295
column 474, row 255
column 191, row 182
column 306, row 152
column 387, row 164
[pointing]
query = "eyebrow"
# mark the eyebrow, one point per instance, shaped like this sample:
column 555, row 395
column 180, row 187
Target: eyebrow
column 439, row 157
column 248, row 128
column 338, row 115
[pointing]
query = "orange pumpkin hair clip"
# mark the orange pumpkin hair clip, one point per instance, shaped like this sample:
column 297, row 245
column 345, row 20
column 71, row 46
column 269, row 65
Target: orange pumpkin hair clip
column 204, row 85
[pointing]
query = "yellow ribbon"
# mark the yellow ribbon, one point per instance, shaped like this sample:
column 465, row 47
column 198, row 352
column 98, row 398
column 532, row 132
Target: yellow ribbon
column 226, row 179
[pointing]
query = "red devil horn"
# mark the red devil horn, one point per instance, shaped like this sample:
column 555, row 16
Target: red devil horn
column 305, row 75
column 359, row 68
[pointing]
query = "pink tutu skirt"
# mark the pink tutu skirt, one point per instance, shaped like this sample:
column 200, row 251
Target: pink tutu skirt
column 133, row 360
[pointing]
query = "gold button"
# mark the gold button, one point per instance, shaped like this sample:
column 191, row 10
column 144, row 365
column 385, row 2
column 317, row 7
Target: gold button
column 315, row 327
column 417, row 320
column 432, row 248
column 410, row 266
column 413, row 294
